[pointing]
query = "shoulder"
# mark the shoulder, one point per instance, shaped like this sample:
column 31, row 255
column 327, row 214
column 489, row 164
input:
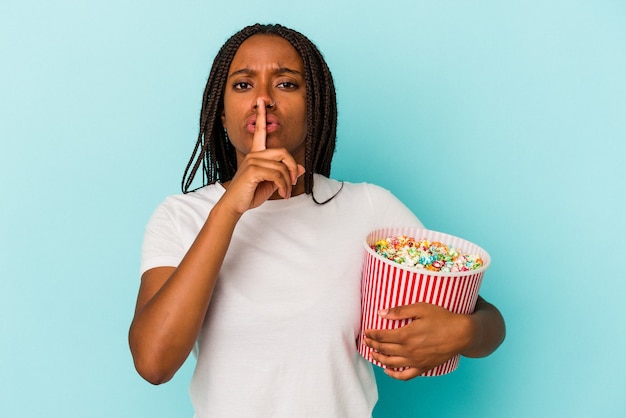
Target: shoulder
column 326, row 187
column 192, row 207
column 202, row 198
column 369, row 200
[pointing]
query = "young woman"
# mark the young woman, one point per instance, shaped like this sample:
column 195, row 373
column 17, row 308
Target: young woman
column 260, row 268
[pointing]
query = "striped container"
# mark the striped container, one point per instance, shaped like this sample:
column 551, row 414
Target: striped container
column 386, row 284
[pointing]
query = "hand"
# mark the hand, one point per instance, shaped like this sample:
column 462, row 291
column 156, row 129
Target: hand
column 262, row 172
column 434, row 336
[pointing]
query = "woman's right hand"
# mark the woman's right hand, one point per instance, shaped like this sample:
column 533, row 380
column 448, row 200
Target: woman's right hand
column 262, row 172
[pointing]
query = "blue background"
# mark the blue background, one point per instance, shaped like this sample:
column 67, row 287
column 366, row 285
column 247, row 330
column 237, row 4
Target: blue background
column 501, row 122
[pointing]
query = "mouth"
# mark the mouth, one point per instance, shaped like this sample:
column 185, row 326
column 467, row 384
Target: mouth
column 271, row 123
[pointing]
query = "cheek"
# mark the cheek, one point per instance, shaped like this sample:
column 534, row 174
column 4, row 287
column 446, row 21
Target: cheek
column 304, row 125
column 303, row 118
column 226, row 117
column 227, row 123
column 228, row 111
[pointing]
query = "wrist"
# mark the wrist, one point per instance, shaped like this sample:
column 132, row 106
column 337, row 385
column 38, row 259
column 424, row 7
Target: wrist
column 225, row 213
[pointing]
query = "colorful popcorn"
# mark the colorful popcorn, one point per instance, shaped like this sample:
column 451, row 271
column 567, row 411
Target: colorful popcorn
column 425, row 254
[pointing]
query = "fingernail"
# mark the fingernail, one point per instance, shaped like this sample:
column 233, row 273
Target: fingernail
column 383, row 312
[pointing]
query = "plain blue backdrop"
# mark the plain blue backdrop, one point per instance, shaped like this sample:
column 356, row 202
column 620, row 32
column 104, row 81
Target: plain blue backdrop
column 501, row 122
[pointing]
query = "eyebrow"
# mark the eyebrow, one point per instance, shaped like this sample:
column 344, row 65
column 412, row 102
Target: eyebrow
column 279, row 70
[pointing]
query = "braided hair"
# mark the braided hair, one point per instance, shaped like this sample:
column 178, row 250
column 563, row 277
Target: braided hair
column 217, row 155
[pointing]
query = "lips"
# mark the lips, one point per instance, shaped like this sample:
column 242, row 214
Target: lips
column 271, row 122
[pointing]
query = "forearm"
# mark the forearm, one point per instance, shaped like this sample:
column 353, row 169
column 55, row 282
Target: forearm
column 171, row 308
column 486, row 328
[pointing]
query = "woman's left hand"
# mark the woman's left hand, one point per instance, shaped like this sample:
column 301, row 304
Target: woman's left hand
column 434, row 336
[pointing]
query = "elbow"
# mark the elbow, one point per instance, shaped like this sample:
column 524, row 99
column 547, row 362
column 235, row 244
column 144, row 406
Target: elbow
column 151, row 366
column 152, row 373
column 156, row 379
column 498, row 330
column 487, row 332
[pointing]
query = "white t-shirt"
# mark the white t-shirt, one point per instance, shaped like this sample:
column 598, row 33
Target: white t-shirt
column 279, row 338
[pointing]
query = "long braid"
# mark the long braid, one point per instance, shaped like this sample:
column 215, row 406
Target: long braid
column 216, row 154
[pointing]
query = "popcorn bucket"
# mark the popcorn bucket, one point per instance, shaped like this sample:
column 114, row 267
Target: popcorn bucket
column 387, row 284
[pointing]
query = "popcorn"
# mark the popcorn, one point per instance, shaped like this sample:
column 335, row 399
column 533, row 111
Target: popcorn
column 426, row 254
column 401, row 270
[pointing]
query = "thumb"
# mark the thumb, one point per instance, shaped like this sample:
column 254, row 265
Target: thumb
column 400, row 312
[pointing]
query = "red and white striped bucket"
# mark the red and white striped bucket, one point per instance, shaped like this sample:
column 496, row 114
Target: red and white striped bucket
column 386, row 284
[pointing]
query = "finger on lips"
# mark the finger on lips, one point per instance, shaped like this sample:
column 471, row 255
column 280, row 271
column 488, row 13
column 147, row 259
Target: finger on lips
column 260, row 128
column 288, row 165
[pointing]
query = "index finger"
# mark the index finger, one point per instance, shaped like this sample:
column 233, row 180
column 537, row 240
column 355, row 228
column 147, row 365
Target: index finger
column 392, row 336
column 260, row 127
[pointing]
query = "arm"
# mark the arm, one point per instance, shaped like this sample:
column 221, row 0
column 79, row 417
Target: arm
column 486, row 330
column 434, row 336
column 173, row 302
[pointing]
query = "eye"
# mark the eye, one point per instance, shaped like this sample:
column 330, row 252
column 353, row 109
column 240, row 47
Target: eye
column 288, row 85
column 241, row 85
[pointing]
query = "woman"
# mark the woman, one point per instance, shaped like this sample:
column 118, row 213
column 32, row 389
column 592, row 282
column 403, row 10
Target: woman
column 259, row 269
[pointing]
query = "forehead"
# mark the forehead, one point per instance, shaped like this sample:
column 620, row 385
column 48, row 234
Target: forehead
column 262, row 50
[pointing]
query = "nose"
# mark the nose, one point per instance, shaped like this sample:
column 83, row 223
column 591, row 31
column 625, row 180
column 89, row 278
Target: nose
column 265, row 95
column 269, row 104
